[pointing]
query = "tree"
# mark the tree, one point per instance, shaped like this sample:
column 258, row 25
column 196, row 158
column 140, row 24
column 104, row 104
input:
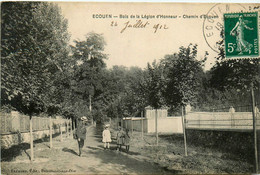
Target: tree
column 90, row 50
column 34, row 40
column 88, row 73
column 155, row 87
column 136, row 94
column 183, row 74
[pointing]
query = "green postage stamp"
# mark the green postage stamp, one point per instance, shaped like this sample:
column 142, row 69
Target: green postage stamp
column 241, row 35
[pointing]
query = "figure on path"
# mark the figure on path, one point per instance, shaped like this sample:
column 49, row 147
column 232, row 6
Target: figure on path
column 106, row 137
column 81, row 132
column 127, row 140
column 120, row 139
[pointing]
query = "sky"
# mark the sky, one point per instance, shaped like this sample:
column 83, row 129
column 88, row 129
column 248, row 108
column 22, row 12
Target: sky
column 140, row 44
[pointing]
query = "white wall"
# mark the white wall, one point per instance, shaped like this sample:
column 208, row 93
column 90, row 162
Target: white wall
column 166, row 125
column 150, row 113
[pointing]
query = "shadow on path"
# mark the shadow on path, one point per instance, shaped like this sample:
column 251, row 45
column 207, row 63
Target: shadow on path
column 70, row 151
column 93, row 148
column 119, row 162
column 111, row 160
column 16, row 150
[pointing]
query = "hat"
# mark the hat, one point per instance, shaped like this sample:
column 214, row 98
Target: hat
column 84, row 118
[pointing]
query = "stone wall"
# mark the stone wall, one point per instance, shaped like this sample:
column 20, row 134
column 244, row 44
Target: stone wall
column 15, row 127
column 8, row 140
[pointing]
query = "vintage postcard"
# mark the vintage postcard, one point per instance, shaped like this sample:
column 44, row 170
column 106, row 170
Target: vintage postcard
column 130, row 88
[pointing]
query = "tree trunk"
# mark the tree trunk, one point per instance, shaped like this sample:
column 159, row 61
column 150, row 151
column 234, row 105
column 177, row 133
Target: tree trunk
column 126, row 125
column 254, row 128
column 61, row 139
column 73, row 124
column 31, row 139
column 156, row 127
column 67, row 128
column 142, row 125
column 71, row 133
column 50, row 132
column 184, row 130
column 132, row 125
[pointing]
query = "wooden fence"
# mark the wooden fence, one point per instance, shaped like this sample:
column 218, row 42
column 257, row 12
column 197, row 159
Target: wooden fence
column 241, row 121
column 15, row 122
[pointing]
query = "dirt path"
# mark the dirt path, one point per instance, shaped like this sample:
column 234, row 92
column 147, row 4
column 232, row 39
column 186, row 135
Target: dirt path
column 63, row 158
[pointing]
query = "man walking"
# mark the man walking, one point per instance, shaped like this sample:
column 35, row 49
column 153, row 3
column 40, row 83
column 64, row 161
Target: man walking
column 81, row 132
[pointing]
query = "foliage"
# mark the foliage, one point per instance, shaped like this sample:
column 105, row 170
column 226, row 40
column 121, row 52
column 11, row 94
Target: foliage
column 184, row 76
column 228, row 82
column 42, row 73
column 235, row 74
column 90, row 50
column 155, row 85
column 88, row 74
column 34, row 40
column 122, row 94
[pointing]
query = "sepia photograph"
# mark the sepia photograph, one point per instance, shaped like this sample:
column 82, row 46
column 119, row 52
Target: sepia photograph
column 130, row 88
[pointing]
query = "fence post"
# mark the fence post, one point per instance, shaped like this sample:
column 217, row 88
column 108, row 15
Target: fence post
column 71, row 127
column 156, row 127
column 31, row 138
column 50, row 132
column 254, row 128
column 5, row 123
column 38, row 123
column 20, row 123
column 142, row 125
column 73, row 122
column 132, row 125
column 67, row 128
column 126, row 125
column 60, row 130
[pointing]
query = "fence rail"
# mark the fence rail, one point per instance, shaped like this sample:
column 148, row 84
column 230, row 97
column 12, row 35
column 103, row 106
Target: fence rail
column 15, row 122
column 222, row 120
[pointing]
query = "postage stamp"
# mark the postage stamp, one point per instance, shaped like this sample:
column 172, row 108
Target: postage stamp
column 241, row 35
column 213, row 27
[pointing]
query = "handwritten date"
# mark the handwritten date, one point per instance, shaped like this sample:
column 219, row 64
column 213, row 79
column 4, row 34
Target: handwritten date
column 159, row 26
column 139, row 24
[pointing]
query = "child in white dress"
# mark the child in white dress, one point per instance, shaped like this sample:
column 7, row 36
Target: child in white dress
column 106, row 137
